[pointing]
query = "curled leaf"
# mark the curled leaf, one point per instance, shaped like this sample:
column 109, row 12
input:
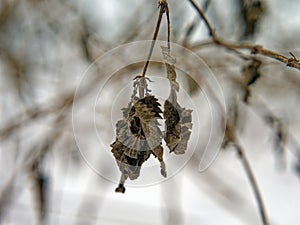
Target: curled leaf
column 138, row 136
column 178, row 120
column 169, row 62
column 178, row 127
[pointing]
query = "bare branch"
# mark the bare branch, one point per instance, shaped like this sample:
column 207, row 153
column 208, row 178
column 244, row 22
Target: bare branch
column 253, row 183
column 231, row 138
column 254, row 49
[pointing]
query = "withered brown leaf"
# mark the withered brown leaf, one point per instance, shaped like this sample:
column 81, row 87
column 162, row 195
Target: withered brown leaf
column 178, row 123
column 178, row 120
column 138, row 136
column 171, row 73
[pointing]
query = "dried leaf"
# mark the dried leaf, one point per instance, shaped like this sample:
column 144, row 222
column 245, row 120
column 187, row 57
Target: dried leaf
column 169, row 62
column 129, row 165
column 178, row 126
column 252, row 12
column 178, row 120
column 138, row 136
column 229, row 137
column 251, row 74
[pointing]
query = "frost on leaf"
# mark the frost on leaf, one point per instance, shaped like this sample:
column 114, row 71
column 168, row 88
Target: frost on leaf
column 137, row 137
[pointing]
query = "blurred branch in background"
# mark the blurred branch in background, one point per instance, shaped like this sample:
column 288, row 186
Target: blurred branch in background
column 251, row 13
column 254, row 49
column 230, row 138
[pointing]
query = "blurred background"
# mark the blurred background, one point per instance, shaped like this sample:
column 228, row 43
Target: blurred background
column 47, row 46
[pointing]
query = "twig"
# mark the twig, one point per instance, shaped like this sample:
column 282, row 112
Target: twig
column 253, row 183
column 169, row 27
column 230, row 138
column 191, row 28
column 162, row 6
column 254, row 49
column 212, row 32
column 216, row 185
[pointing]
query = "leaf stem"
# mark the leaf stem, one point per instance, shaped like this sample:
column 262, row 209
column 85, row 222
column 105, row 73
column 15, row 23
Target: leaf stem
column 163, row 5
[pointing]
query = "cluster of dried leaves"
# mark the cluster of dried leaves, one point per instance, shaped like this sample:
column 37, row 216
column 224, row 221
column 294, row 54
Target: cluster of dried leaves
column 138, row 134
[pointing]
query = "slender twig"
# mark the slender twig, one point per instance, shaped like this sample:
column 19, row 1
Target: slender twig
column 191, row 28
column 162, row 7
column 169, row 27
column 230, row 138
column 33, row 156
column 253, row 182
column 215, row 184
column 212, row 32
column 254, row 49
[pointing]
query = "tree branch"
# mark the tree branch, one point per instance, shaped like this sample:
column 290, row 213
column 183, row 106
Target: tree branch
column 230, row 138
column 253, row 182
column 254, row 49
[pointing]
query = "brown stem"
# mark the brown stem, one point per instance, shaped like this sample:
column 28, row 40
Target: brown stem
column 169, row 27
column 206, row 21
column 254, row 49
column 191, row 28
column 253, row 183
column 230, row 138
column 161, row 12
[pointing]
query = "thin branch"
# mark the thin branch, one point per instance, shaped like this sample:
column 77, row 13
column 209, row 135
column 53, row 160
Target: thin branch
column 162, row 6
column 253, row 182
column 212, row 32
column 215, row 185
column 254, row 49
column 191, row 28
column 230, row 138
column 169, row 26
